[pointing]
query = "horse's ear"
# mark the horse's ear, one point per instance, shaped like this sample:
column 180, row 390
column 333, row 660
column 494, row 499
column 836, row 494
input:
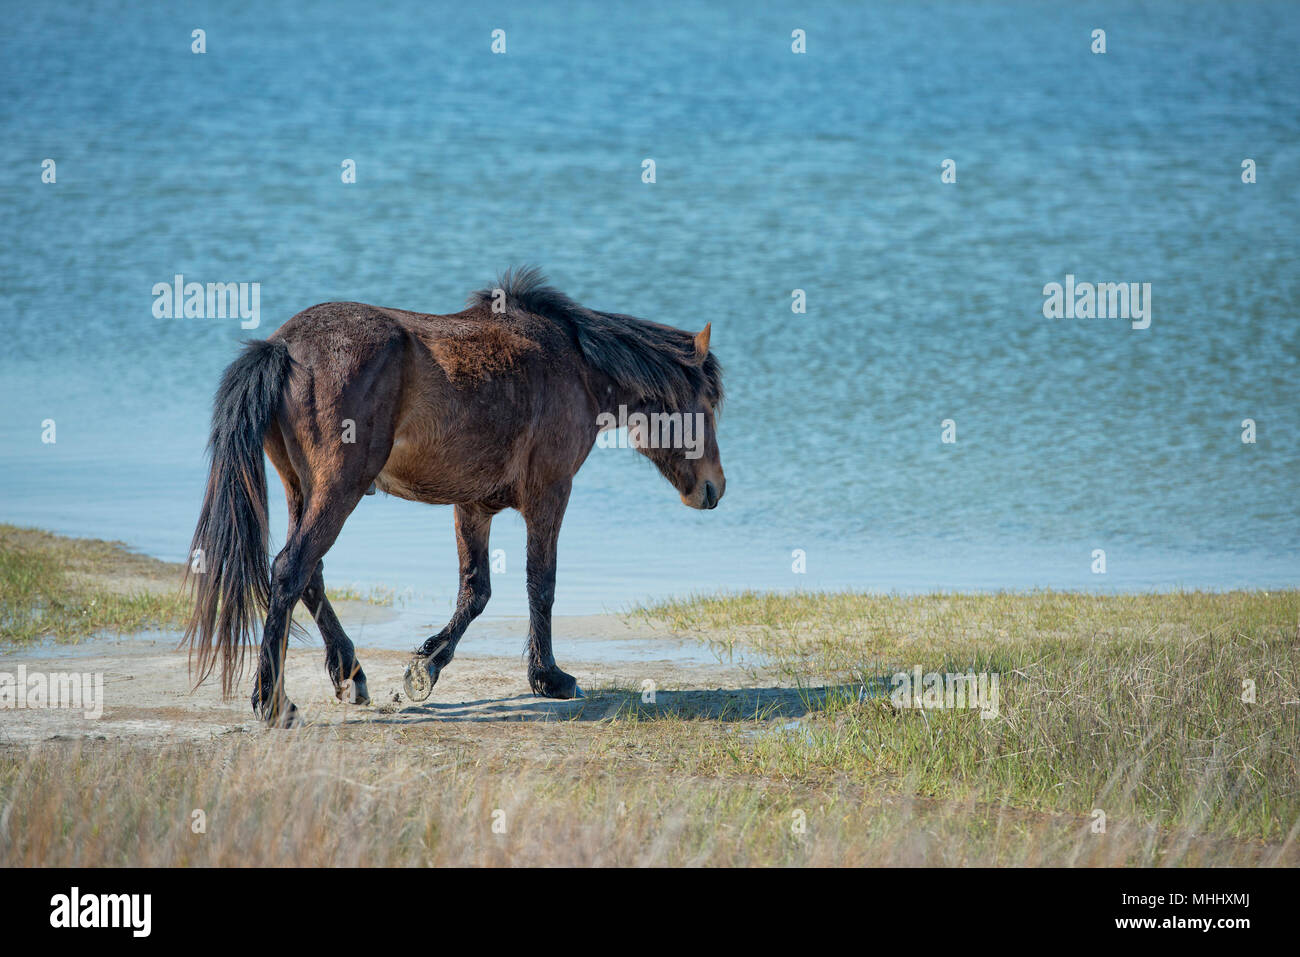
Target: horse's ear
column 702, row 343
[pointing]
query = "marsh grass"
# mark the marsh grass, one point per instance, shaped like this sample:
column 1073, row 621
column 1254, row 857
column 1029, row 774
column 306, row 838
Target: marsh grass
column 1128, row 704
column 311, row 800
column 70, row 588
column 369, row 595
column 66, row 589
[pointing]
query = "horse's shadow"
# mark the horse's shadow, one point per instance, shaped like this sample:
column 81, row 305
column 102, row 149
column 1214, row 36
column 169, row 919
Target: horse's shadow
column 736, row 704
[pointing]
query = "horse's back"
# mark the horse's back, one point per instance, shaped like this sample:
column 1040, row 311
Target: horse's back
column 460, row 395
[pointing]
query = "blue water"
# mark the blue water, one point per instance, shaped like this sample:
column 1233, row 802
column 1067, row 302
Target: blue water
column 775, row 171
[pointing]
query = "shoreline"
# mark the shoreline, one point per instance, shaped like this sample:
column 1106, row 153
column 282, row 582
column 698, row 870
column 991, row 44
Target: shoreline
column 708, row 721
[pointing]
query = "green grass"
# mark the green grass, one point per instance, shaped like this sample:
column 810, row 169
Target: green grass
column 70, row 588
column 374, row 595
column 1129, row 704
column 67, row 589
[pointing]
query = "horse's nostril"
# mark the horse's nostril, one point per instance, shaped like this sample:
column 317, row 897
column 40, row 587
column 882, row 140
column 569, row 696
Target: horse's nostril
column 710, row 495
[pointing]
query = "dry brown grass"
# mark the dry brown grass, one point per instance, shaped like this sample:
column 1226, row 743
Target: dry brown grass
column 274, row 799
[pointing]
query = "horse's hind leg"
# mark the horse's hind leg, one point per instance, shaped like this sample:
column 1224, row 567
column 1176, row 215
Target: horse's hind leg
column 328, row 467
column 340, row 657
column 473, row 523
column 322, row 520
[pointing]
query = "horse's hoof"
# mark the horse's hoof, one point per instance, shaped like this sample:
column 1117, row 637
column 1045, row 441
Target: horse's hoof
column 353, row 691
column 287, row 717
column 554, row 684
column 421, row 675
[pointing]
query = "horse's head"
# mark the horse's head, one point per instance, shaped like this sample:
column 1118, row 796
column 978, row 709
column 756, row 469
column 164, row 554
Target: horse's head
column 683, row 442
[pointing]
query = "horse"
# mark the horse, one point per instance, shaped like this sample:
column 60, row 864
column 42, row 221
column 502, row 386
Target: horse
column 493, row 407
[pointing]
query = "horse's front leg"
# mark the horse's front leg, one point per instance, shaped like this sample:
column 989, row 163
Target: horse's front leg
column 543, row 518
column 473, row 525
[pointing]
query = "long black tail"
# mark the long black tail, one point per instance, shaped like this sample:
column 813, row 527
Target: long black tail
column 229, row 569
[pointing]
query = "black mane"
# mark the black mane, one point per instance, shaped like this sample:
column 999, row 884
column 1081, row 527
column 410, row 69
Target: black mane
column 654, row 361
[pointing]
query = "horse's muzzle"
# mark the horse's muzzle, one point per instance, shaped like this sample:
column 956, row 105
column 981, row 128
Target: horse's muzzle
column 711, row 495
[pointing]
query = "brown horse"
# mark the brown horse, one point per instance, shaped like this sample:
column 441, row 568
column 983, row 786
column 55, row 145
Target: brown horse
column 490, row 408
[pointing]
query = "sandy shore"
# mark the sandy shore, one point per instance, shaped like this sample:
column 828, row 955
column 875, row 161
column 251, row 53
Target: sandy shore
column 148, row 697
column 147, row 694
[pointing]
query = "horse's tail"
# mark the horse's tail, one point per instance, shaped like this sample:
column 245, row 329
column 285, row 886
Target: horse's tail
column 229, row 569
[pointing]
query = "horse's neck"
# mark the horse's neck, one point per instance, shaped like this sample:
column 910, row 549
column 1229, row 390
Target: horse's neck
column 612, row 399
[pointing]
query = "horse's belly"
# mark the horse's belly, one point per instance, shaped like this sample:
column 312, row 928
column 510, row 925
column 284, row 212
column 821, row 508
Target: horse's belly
column 443, row 475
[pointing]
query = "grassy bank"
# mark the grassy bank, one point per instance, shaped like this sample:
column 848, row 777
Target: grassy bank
column 1129, row 729
column 1180, row 709
column 69, row 588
